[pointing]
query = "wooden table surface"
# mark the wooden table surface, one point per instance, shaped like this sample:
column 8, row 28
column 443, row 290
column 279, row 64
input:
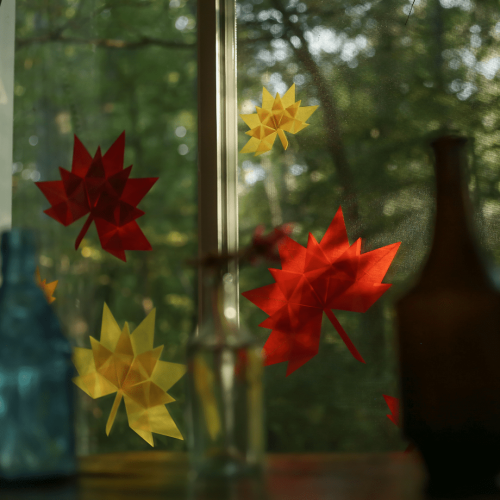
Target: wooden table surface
column 165, row 475
column 288, row 477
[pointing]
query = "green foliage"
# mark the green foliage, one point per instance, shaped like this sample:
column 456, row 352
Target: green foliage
column 384, row 88
column 98, row 67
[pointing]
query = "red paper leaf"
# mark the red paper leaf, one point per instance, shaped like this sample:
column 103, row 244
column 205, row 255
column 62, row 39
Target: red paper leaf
column 101, row 187
column 323, row 276
column 266, row 246
column 393, row 404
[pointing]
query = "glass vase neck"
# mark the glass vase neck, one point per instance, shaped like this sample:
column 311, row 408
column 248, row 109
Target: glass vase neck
column 18, row 256
column 213, row 325
column 219, row 324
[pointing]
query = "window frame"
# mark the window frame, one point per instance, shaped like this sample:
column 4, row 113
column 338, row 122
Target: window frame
column 217, row 140
column 217, row 132
column 7, row 34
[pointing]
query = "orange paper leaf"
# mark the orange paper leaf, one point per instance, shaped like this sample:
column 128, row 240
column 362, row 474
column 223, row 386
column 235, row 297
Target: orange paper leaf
column 312, row 281
column 47, row 288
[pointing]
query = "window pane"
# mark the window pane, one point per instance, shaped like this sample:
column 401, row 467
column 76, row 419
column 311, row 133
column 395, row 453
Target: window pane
column 96, row 68
column 382, row 87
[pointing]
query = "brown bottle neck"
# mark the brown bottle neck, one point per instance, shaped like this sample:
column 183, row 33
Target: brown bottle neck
column 454, row 254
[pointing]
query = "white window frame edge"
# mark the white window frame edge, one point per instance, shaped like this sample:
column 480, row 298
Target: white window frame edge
column 217, row 140
column 7, row 34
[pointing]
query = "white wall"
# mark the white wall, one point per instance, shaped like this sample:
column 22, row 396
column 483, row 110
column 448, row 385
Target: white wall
column 7, row 31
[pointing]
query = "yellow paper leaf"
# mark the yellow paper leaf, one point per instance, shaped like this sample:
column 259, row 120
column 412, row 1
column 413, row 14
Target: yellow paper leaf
column 277, row 116
column 128, row 365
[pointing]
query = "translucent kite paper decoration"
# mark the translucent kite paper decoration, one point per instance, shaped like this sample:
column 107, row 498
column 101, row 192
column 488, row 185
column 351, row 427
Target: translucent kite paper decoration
column 277, row 116
column 323, row 276
column 47, row 288
column 100, row 187
column 393, row 404
column 266, row 246
column 128, row 365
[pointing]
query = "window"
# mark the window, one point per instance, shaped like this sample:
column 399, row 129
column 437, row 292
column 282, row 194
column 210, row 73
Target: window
column 95, row 69
column 382, row 87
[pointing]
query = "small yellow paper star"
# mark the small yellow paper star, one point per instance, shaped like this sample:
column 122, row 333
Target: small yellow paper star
column 127, row 364
column 277, row 116
column 47, row 288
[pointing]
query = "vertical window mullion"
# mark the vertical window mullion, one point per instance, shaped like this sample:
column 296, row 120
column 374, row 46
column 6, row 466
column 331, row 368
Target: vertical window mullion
column 217, row 136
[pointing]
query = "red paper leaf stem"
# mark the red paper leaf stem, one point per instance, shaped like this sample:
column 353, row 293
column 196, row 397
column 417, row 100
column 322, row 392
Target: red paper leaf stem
column 84, row 230
column 343, row 335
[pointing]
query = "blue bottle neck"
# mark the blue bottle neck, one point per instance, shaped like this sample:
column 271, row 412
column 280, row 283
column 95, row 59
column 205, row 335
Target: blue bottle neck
column 18, row 257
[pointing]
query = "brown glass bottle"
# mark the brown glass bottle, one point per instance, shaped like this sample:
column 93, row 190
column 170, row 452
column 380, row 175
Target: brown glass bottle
column 449, row 345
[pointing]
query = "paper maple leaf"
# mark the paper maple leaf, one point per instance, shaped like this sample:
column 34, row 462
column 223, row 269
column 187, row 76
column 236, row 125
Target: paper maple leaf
column 128, row 365
column 323, row 276
column 102, row 187
column 277, row 116
column 265, row 246
column 47, row 288
column 393, row 404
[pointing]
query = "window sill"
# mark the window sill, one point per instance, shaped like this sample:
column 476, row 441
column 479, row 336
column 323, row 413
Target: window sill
column 161, row 474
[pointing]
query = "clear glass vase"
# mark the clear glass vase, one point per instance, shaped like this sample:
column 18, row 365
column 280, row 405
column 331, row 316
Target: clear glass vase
column 36, row 392
column 225, row 391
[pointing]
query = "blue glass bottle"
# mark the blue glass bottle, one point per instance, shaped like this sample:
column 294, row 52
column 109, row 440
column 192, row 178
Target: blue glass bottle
column 36, row 392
